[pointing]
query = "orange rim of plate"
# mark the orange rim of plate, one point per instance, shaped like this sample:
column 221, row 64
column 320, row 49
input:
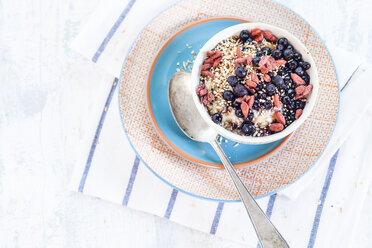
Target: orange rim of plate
column 165, row 138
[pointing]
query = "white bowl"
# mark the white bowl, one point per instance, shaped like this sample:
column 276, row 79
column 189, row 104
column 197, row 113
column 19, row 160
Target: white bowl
column 278, row 32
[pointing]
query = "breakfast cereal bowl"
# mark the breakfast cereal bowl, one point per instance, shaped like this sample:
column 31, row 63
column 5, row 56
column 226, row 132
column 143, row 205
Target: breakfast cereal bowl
column 254, row 83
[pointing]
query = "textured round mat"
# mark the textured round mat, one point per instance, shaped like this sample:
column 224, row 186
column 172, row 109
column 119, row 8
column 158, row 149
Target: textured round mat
column 262, row 178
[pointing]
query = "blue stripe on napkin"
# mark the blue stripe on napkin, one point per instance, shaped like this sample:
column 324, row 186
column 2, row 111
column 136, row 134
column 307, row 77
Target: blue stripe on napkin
column 113, row 30
column 323, row 196
column 270, row 205
column 132, row 178
column 96, row 136
column 171, row 202
column 217, row 217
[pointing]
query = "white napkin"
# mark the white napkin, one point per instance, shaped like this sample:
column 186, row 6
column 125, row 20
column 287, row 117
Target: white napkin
column 327, row 200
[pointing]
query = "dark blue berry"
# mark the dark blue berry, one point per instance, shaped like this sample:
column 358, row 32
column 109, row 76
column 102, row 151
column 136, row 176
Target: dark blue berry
column 292, row 64
column 259, row 87
column 286, row 99
column 291, row 93
column 217, row 118
column 287, row 81
column 240, row 72
column 232, row 80
column 250, row 116
column 299, row 104
column 244, row 35
column 266, row 50
column 256, row 105
column 290, row 47
column 270, row 74
column 255, row 61
column 270, row 89
column 236, row 105
column 259, row 54
column 240, row 90
column 268, row 104
column 283, row 41
column 299, row 71
column 281, row 72
column 228, row 95
column 297, row 56
column 262, row 96
column 287, row 77
column 239, row 113
column 277, row 54
column 249, row 41
column 280, row 47
column 291, row 105
column 306, row 77
column 306, row 65
column 248, row 129
column 277, row 80
column 288, row 54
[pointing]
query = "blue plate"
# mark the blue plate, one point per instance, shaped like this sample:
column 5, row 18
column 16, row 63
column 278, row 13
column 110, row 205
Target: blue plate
column 180, row 48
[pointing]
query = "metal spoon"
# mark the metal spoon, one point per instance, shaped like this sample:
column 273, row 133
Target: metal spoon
column 188, row 119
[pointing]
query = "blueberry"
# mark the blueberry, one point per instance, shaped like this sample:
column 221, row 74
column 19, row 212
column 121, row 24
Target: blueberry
column 228, row 95
column 291, row 105
column 244, row 35
column 277, row 54
column 249, row 41
column 286, row 99
column 240, row 90
column 277, row 80
column 255, row 61
column 232, row 80
column 290, row 47
column 268, row 104
column 306, row 65
column 299, row 71
column 262, row 96
column 297, row 56
column 299, row 104
column 283, row 41
column 306, row 77
column 270, row 74
column 236, row 105
column 291, row 93
column 217, row 118
column 287, row 77
column 240, row 72
column 239, row 113
column 292, row 64
column 248, row 129
column 259, row 87
column 250, row 116
column 288, row 54
column 259, row 54
column 281, row 72
column 287, row 81
column 266, row 50
column 256, row 105
column 270, row 89
column 280, row 47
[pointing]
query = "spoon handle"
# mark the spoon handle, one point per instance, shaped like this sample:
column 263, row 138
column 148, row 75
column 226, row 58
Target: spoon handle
column 266, row 231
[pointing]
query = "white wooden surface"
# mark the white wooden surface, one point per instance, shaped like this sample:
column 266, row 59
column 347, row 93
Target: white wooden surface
column 50, row 95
